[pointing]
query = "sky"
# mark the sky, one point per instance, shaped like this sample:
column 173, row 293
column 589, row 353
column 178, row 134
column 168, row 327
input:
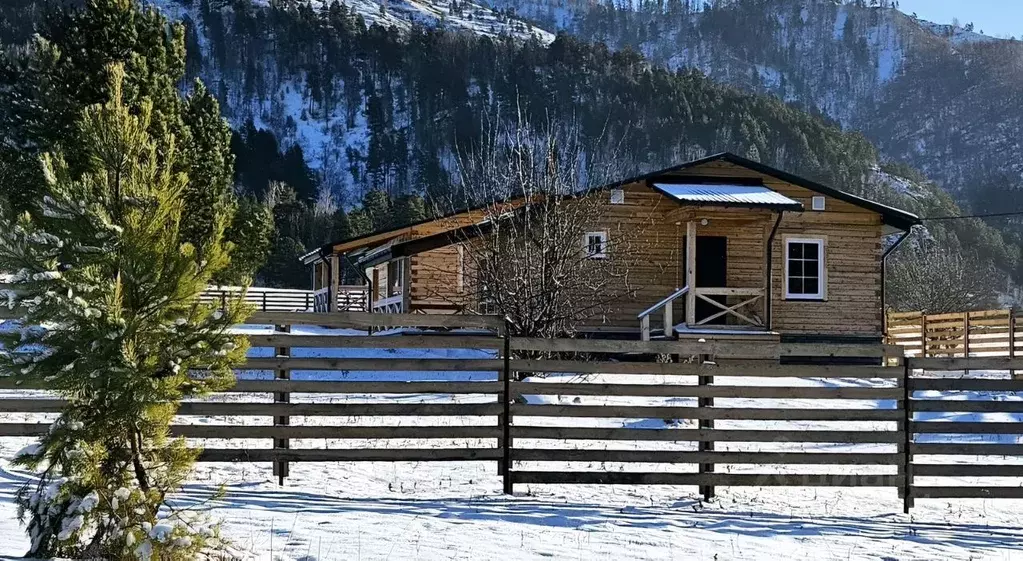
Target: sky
column 999, row 18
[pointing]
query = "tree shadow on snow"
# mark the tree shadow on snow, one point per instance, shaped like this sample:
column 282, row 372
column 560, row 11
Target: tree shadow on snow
column 683, row 515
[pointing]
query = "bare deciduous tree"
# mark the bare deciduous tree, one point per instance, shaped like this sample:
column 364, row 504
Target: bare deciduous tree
column 540, row 252
column 939, row 280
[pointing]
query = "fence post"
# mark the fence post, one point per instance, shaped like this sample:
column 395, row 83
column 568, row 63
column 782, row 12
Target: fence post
column 923, row 335
column 966, row 338
column 264, row 300
column 1012, row 338
column 506, row 420
column 901, row 425
column 280, row 468
column 705, row 424
column 907, row 443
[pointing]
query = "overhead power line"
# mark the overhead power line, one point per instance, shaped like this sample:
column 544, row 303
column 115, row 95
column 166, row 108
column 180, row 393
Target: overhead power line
column 964, row 216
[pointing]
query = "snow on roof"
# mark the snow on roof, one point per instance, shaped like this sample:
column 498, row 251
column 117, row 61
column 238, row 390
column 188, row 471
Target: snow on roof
column 737, row 195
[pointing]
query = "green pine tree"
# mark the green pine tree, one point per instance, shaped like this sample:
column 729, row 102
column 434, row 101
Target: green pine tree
column 409, row 209
column 377, row 206
column 207, row 152
column 100, row 273
column 252, row 232
column 281, row 270
column 45, row 85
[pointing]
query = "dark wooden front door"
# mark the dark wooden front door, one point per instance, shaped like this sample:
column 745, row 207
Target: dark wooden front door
column 711, row 271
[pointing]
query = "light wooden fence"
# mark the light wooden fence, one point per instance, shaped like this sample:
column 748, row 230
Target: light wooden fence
column 979, row 333
column 349, row 298
column 547, row 430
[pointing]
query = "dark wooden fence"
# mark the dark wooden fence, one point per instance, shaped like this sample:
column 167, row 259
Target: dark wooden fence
column 970, row 446
column 718, row 421
column 698, row 435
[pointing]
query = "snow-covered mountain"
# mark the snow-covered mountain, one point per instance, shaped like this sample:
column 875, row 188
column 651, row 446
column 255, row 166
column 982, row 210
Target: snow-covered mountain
column 462, row 15
column 943, row 98
column 390, row 106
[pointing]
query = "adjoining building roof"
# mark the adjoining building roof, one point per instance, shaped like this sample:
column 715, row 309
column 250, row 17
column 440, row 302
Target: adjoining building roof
column 728, row 195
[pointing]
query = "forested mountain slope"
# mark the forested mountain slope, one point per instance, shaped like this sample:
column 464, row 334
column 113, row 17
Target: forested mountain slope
column 944, row 99
column 386, row 110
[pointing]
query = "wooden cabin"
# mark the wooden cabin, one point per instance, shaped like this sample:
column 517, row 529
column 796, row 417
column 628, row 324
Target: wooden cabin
column 721, row 244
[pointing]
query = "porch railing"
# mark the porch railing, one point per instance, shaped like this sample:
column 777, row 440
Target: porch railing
column 668, row 305
column 751, row 296
column 389, row 305
column 353, row 298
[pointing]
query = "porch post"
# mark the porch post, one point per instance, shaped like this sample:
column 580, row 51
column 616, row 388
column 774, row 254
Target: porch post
column 691, row 273
column 335, row 282
column 406, row 286
column 374, row 288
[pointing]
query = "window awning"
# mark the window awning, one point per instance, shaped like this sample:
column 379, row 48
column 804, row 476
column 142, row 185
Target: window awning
column 746, row 196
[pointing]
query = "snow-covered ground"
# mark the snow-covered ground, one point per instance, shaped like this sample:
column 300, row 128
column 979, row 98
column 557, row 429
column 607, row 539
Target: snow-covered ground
column 422, row 510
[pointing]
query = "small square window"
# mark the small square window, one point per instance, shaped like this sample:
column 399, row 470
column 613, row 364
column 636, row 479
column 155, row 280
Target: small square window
column 804, row 269
column 817, row 203
column 617, row 196
column 595, row 245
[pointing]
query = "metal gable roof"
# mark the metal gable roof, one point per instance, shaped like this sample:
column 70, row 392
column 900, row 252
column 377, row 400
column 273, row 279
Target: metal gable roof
column 727, row 195
column 894, row 217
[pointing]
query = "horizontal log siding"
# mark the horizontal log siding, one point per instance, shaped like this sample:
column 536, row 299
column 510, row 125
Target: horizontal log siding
column 852, row 258
column 435, row 281
column 655, row 226
column 853, row 298
column 643, row 232
column 651, row 227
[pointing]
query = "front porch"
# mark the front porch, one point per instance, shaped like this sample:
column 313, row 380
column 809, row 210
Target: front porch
column 726, row 269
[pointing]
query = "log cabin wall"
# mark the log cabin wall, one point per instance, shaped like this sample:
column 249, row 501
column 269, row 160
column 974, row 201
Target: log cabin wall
column 642, row 235
column 853, row 248
column 647, row 230
column 439, row 280
column 651, row 229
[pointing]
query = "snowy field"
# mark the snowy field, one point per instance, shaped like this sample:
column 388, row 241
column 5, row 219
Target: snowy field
column 434, row 511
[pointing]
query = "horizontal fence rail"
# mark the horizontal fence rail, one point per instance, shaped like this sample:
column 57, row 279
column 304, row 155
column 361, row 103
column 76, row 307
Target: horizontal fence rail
column 568, row 411
column 965, row 426
column 708, row 447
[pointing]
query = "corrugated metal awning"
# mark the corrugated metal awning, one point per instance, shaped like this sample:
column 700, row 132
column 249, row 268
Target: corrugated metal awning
column 750, row 196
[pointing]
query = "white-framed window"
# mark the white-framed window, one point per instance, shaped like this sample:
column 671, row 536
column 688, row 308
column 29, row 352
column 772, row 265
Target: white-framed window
column 818, row 203
column 617, row 196
column 805, row 277
column 595, row 245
